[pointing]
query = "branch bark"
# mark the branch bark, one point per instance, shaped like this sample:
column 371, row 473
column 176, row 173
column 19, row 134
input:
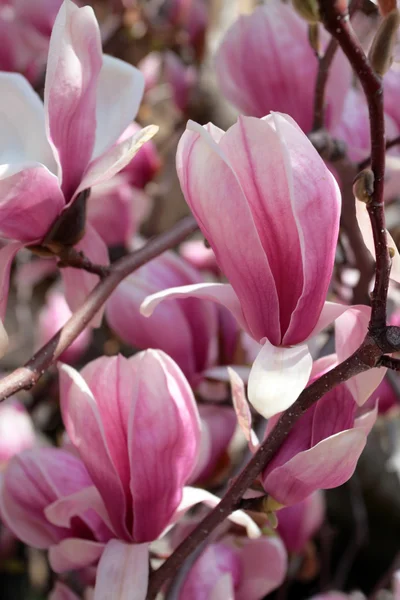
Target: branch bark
column 25, row 377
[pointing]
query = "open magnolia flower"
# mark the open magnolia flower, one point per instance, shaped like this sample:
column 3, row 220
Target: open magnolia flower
column 269, row 208
column 52, row 153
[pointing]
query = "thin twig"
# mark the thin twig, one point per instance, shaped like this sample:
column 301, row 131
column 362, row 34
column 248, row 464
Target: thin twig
column 322, row 77
column 338, row 25
column 70, row 257
column 25, row 377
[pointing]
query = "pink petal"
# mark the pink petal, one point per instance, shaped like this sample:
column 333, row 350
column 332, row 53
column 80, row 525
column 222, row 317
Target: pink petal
column 83, row 422
column 73, row 553
column 113, row 160
column 22, row 124
column 74, row 63
column 327, row 465
column 114, row 112
column 63, row 510
column 333, row 413
column 7, row 255
column 277, row 377
column 223, row 589
column 78, row 283
column 264, row 565
column 297, row 524
column 350, row 331
column 123, row 572
column 222, row 293
column 330, row 312
column 163, row 442
column 242, row 410
column 31, row 200
column 201, row 159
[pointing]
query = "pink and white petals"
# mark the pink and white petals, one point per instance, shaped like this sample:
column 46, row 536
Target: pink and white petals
column 123, row 572
column 350, row 331
column 277, row 377
column 242, row 409
column 75, row 60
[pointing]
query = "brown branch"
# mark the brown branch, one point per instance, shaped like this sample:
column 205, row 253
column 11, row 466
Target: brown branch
column 70, row 257
column 322, row 77
column 337, row 23
column 390, row 363
column 389, row 144
column 25, row 377
column 363, row 359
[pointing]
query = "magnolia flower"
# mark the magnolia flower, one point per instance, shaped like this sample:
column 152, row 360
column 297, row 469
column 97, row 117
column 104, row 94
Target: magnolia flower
column 269, row 208
column 53, row 153
column 236, row 569
column 266, row 62
column 321, row 450
column 190, row 328
column 16, row 430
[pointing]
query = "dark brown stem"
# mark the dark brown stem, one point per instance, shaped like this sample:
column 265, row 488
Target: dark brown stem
column 25, row 377
column 322, row 77
column 390, row 363
column 337, row 23
column 70, row 257
column 365, row 357
column 389, row 144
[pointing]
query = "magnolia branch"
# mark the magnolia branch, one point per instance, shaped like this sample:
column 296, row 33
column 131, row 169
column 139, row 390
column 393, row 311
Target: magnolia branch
column 337, row 23
column 25, row 377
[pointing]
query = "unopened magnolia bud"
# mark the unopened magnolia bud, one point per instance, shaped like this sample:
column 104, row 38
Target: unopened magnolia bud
column 381, row 51
column 308, row 9
column 363, row 185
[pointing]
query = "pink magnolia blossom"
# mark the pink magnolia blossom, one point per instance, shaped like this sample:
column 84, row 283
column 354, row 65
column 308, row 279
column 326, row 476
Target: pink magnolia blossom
column 265, row 63
column 320, row 452
column 137, row 429
column 269, row 208
column 16, row 430
column 52, row 153
column 25, row 29
column 48, row 500
column 53, row 315
column 236, row 569
column 189, row 327
column 199, row 256
column 298, row 523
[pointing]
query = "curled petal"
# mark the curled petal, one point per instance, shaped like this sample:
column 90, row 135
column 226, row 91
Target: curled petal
column 242, row 410
column 123, row 572
column 113, row 160
column 277, row 377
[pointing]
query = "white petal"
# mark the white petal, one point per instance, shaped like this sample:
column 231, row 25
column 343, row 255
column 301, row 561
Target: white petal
column 119, row 94
column 277, row 377
column 23, row 135
column 123, row 572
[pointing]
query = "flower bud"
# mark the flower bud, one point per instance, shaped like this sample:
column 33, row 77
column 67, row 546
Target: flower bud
column 381, row 52
column 363, row 185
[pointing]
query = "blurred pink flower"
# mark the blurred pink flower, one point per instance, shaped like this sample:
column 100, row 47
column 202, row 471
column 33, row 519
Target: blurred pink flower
column 298, row 523
column 16, row 430
column 256, row 192
column 53, row 315
column 25, row 29
column 280, row 75
column 238, row 569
